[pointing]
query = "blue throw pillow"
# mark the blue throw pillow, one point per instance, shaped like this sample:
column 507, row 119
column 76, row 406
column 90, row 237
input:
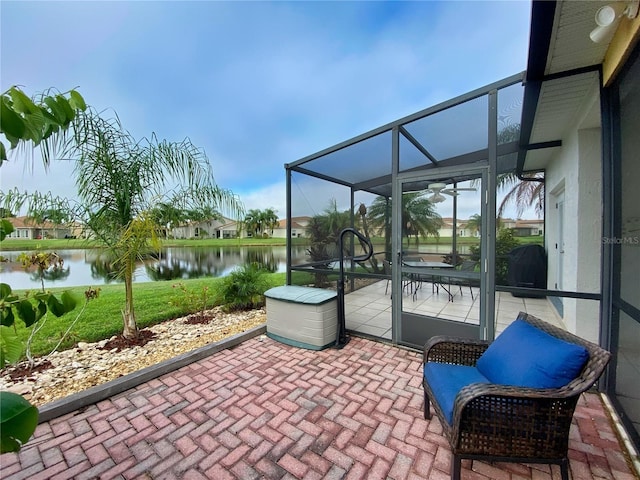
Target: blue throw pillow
column 525, row 356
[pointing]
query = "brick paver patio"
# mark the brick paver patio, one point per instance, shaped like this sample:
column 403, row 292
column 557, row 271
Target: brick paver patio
column 267, row 410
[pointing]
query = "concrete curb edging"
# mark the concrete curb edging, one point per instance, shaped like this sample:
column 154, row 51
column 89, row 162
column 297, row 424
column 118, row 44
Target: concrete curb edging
column 100, row 392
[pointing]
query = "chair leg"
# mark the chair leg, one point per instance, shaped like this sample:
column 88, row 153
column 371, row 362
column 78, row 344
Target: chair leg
column 456, row 467
column 564, row 469
column 427, row 410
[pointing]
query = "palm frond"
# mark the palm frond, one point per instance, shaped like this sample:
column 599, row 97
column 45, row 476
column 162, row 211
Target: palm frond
column 523, row 194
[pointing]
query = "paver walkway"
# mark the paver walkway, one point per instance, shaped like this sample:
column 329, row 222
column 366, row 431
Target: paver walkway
column 267, row 410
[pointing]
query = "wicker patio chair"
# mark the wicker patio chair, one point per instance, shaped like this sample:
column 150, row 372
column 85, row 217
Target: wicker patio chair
column 495, row 422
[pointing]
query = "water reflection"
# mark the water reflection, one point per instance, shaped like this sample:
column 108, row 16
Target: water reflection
column 92, row 266
column 101, row 269
column 51, row 274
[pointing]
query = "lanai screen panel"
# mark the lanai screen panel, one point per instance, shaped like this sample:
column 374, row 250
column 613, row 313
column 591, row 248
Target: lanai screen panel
column 509, row 113
column 320, row 209
column 410, row 156
column 452, row 132
column 358, row 162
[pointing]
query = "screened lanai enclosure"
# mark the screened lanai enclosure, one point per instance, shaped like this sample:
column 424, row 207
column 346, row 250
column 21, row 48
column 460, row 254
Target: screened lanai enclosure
column 385, row 183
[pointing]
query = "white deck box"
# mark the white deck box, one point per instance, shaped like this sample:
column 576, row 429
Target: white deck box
column 303, row 317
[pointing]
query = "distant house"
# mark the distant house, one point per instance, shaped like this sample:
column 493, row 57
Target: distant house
column 210, row 228
column 529, row 228
column 462, row 230
column 26, row 228
column 507, row 223
column 231, row 229
column 522, row 228
column 298, row 227
column 228, row 228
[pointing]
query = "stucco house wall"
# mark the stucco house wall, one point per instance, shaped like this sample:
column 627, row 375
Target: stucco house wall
column 204, row 229
column 298, row 228
column 574, row 176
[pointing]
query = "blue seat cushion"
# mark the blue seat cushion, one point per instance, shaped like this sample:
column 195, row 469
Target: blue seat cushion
column 525, row 356
column 447, row 380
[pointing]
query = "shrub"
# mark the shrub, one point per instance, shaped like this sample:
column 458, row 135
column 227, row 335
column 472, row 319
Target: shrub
column 243, row 289
column 194, row 301
column 505, row 242
column 448, row 258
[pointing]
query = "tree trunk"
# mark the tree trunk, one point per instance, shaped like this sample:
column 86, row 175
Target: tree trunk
column 130, row 329
column 373, row 260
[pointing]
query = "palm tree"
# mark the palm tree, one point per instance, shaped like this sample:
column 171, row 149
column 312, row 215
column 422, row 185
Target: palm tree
column 6, row 213
column 118, row 177
column 523, row 193
column 167, row 216
column 253, row 222
column 207, row 212
column 419, row 217
column 475, row 223
column 202, row 213
column 323, row 231
column 269, row 220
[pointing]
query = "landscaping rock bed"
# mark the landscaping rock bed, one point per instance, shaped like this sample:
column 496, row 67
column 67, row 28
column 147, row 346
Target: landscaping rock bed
column 90, row 364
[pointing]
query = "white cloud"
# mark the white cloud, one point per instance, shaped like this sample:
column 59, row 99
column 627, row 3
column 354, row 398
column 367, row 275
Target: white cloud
column 268, row 196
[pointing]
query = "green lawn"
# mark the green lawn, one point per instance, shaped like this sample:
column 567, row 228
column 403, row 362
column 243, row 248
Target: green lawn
column 63, row 244
column 102, row 318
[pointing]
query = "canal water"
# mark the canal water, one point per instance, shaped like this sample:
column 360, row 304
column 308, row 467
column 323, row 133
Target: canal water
column 91, row 266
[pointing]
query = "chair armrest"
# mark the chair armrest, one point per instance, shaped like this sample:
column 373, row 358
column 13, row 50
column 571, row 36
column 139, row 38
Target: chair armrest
column 454, row 350
column 514, row 412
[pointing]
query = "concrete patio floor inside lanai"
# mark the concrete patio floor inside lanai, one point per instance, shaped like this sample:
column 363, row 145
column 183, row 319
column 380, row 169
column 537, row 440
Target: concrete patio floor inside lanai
column 266, row 410
column 368, row 309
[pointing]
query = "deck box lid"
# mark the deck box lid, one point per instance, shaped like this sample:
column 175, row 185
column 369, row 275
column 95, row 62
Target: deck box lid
column 297, row 294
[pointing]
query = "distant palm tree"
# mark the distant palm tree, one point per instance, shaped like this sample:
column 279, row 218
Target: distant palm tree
column 257, row 222
column 269, row 220
column 167, row 216
column 475, row 223
column 252, row 222
column 419, row 216
column 203, row 213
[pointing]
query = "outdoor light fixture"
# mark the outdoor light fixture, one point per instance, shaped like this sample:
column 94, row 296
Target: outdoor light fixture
column 437, row 198
column 607, row 18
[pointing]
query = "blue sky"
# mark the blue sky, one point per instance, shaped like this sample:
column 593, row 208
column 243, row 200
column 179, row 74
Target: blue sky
column 255, row 84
